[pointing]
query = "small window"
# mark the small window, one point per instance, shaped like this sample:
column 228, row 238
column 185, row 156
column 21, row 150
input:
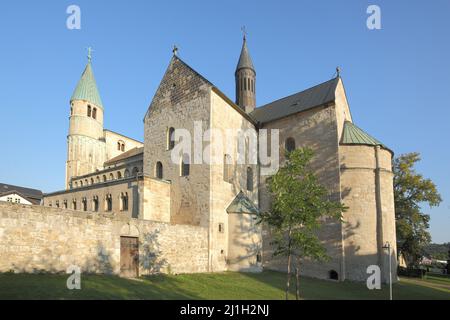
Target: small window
column 159, row 170
column 89, row 111
column 104, row 178
column 65, row 204
column 249, row 179
column 84, row 202
column 170, row 138
column 122, row 147
column 108, row 203
column 74, row 204
column 290, row 144
column 185, row 165
column 97, row 179
column 221, row 228
column 57, row 203
column 94, row 113
column 71, row 111
column 118, row 146
column 111, row 176
column 92, row 181
column 119, row 175
column 258, row 257
column 124, row 204
column 127, row 173
column 95, row 203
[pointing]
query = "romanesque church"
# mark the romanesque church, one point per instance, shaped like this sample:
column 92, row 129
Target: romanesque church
column 205, row 214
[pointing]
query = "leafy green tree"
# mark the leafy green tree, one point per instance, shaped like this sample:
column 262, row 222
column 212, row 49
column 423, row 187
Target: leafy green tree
column 299, row 205
column 411, row 190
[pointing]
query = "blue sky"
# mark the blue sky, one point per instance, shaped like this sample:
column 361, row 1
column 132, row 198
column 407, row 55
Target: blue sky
column 397, row 78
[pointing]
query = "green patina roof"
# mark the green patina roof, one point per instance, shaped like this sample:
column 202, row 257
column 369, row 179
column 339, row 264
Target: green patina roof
column 354, row 135
column 242, row 204
column 87, row 88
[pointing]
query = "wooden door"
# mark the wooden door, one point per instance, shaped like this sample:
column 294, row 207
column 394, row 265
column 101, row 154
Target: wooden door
column 129, row 257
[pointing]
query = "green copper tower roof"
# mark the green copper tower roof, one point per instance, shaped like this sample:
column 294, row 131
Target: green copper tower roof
column 355, row 135
column 87, row 88
column 242, row 204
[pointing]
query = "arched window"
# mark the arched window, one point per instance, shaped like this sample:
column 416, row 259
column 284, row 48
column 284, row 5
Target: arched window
column 71, row 111
column 57, row 203
column 159, row 170
column 104, row 178
column 76, row 184
column 118, row 145
column 135, row 171
column 98, row 179
column 81, row 183
column 74, row 204
column 185, row 165
column 95, row 203
column 127, row 173
column 89, row 110
column 245, row 84
column 84, row 202
column 170, row 138
column 92, row 180
column 124, row 204
column 108, row 203
column 227, row 168
column 122, row 147
column 94, row 113
column 289, row 144
column 249, row 179
column 248, row 84
column 333, row 275
column 119, row 175
column 86, row 182
column 111, row 176
column 65, row 204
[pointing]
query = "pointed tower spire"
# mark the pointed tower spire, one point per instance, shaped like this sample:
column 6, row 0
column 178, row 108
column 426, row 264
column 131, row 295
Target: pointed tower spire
column 245, row 77
column 86, row 88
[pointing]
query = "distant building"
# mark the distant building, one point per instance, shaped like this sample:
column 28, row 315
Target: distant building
column 15, row 194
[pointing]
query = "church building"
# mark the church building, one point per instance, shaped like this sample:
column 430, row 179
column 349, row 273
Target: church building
column 107, row 172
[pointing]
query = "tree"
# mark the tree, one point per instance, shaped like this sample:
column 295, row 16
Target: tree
column 299, row 205
column 411, row 190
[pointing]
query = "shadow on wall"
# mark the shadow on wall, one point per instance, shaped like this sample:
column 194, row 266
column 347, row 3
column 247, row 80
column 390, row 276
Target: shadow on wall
column 46, row 262
column 150, row 254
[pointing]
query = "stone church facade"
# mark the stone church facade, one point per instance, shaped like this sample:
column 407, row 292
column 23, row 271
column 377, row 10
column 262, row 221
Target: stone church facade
column 111, row 174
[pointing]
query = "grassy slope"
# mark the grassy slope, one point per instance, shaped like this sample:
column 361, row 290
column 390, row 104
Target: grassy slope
column 229, row 285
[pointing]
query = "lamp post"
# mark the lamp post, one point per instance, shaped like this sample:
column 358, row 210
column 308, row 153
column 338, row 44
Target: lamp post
column 387, row 246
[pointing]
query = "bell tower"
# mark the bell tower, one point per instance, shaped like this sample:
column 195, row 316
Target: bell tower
column 245, row 77
column 85, row 143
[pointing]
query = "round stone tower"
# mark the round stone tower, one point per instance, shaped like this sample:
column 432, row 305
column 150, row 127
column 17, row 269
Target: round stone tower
column 245, row 77
column 367, row 189
column 85, row 143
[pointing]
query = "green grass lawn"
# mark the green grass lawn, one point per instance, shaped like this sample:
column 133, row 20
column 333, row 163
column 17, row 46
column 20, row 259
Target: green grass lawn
column 227, row 285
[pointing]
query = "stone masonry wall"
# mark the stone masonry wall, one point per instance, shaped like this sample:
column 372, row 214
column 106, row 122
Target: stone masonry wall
column 37, row 238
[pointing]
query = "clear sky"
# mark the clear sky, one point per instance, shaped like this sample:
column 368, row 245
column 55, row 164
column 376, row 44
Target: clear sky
column 397, row 79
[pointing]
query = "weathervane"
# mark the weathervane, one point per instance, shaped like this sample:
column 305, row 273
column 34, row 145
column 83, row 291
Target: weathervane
column 244, row 32
column 175, row 50
column 89, row 56
column 338, row 71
